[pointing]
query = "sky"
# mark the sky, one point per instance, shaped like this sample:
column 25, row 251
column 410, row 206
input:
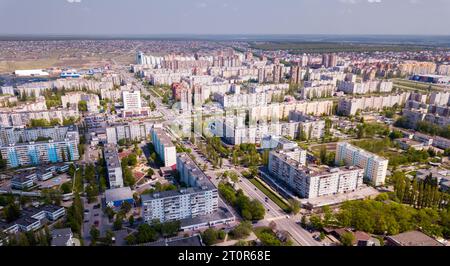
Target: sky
column 147, row 17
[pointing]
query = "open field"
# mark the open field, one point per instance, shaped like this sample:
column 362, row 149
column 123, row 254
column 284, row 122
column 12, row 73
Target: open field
column 414, row 85
column 43, row 63
column 327, row 47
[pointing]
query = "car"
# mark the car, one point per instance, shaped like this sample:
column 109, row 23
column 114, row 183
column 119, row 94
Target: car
column 96, row 214
column 97, row 206
column 96, row 223
column 86, row 210
column 86, row 221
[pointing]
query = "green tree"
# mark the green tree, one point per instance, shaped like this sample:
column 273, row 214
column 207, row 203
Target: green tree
column 117, row 225
column 347, row 239
column 210, row 236
column 82, row 106
column 294, row 206
column 95, row 235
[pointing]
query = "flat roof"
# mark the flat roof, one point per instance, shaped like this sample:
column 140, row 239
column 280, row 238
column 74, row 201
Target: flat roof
column 414, row 238
column 116, row 194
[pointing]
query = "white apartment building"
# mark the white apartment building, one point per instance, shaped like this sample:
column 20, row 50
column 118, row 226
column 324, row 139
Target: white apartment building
column 278, row 111
column 353, row 105
column 131, row 100
column 237, row 100
column 26, row 147
column 311, row 127
column 128, row 131
column 365, row 87
column 313, row 182
column 320, row 91
column 22, row 118
column 375, row 167
column 164, row 147
column 200, row 199
column 113, row 166
column 92, row 100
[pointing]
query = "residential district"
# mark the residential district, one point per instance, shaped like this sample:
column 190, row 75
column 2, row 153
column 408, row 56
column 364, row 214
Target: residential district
column 226, row 143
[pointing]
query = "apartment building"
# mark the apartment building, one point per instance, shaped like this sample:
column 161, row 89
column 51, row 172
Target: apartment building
column 92, row 100
column 23, row 118
column 350, row 106
column 280, row 111
column 113, row 166
column 365, row 87
column 200, row 199
column 375, row 167
column 128, row 131
column 319, row 91
column 310, row 127
column 237, row 100
column 131, row 100
column 313, row 181
column 164, row 147
column 39, row 146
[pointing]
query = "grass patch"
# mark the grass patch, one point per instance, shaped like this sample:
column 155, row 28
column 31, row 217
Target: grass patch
column 275, row 198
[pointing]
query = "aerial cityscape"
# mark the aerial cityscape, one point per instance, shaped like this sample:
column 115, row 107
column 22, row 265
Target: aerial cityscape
column 175, row 137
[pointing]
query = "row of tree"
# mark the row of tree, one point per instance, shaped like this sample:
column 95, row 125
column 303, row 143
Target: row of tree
column 250, row 210
column 383, row 216
column 419, row 193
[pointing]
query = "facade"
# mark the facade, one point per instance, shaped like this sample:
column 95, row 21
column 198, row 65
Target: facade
column 310, row 127
column 353, row 105
column 320, row 91
column 312, row 182
column 131, row 100
column 375, row 167
column 23, row 118
column 200, row 199
column 279, row 111
column 366, row 87
column 39, row 146
column 92, row 100
column 113, row 166
column 241, row 100
column 164, row 147
column 32, row 219
column 128, row 131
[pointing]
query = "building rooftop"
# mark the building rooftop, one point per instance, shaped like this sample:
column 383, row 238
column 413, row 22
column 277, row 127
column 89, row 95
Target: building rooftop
column 222, row 213
column 163, row 138
column 60, row 237
column 414, row 238
column 111, row 156
column 117, row 194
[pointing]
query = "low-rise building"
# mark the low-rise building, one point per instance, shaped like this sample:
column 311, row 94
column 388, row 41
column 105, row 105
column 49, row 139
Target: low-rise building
column 412, row 238
column 117, row 196
column 62, row 237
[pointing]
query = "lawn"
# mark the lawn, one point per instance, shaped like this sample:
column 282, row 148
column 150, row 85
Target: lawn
column 270, row 194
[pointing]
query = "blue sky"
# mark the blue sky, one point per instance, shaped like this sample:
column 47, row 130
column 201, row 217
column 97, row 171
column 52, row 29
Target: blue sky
column 106, row 17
